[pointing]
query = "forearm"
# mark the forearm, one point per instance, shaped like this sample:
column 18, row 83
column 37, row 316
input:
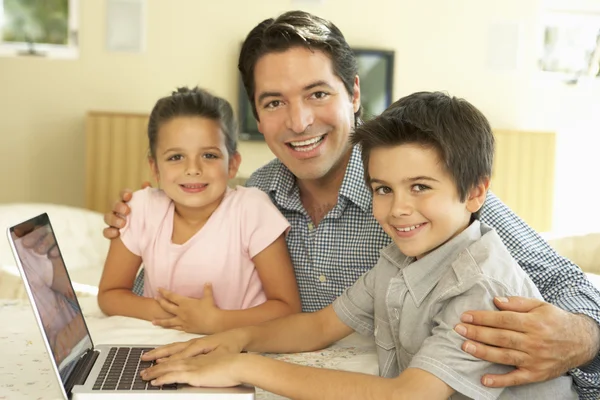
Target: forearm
column 269, row 310
column 299, row 382
column 123, row 302
column 295, row 333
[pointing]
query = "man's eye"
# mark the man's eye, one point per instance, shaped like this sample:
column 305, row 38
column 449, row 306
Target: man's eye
column 273, row 104
column 320, row 95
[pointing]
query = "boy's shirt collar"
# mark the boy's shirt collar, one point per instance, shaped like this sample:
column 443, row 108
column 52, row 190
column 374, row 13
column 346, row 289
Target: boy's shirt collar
column 287, row 194
column 422, row 275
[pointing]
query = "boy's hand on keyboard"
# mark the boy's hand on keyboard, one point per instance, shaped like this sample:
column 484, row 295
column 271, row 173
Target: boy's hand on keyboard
column 214, row 370
column 191, row 315
column 228, row 342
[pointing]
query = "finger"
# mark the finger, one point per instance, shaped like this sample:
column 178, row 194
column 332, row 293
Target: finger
column 496, row 355
column 125, row 195
column 110, row 233
column 494, row 337
column 168, row 306
column 158, row 370
column 517, row 304
column 513, row 378
column 167, row 322
column 208, row 292
column 164, row 351
column 146, row 184
column 176, row 377
column 114, row 220
column 512, row 321
column 171, row 297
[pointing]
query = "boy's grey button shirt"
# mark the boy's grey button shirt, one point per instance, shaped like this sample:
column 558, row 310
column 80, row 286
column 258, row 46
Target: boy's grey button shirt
column 330, row 257
column 411, row 307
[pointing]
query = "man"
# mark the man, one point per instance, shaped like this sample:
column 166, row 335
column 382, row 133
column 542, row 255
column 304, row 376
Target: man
column 301, row 77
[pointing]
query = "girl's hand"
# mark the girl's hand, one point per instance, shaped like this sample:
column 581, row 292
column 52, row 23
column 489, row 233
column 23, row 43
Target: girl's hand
column 214, row 370
column 191, row 315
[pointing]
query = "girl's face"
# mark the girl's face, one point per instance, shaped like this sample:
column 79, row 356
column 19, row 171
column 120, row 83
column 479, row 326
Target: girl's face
column 192, row 165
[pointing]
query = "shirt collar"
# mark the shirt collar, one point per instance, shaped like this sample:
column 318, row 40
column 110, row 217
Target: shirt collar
column 422, row 275
column 284, row 190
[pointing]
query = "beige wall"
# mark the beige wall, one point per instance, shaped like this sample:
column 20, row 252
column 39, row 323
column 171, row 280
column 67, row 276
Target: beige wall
column 439, row 44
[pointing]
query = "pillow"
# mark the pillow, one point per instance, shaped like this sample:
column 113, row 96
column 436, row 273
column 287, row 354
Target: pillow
column 78, row 233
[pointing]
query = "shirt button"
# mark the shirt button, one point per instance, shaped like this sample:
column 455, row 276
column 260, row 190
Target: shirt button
column 397, row 313
column 311, row 226
column 322, row 278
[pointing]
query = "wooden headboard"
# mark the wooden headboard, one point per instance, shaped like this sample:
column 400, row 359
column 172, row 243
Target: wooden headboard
column 117, row 148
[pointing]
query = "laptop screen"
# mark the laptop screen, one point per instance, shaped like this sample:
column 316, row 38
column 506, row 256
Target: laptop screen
column 51, row 292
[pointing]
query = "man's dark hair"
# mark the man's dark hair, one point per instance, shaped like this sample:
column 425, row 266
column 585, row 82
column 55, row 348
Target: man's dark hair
column 297, row 29
column 458, row 131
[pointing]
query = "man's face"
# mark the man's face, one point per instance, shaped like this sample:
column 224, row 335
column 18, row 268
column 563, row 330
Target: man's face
column 305, row 112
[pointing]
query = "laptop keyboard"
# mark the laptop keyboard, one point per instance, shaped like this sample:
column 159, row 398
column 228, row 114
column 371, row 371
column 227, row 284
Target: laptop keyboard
column 121, row 371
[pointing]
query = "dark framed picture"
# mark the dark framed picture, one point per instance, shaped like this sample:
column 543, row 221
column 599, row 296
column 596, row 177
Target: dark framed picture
column 376, row 72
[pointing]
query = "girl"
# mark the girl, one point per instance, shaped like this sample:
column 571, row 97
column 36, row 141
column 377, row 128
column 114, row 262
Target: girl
column 194, row 234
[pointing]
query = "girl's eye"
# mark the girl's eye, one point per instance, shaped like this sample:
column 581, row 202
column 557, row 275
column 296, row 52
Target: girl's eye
column 420, row 187
column 383, row 190
column 176, row 157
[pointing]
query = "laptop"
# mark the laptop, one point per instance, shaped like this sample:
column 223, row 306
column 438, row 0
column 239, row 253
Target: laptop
column 85, row 371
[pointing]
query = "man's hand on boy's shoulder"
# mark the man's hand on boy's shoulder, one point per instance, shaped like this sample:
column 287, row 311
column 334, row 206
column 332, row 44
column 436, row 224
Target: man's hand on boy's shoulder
column 115, row 219
column 541, row 340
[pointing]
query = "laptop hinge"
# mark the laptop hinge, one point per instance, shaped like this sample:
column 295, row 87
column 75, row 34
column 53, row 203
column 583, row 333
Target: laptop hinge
column 82, row 370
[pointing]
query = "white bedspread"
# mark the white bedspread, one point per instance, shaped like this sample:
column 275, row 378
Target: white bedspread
column 25, row 369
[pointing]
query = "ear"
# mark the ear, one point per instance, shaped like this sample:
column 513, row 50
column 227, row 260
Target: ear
column 477, row 194
column 154, row 169
column 356, row 94
column 234, row 164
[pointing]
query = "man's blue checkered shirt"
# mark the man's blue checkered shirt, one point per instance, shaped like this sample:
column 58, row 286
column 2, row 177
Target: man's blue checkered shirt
column 330, row 257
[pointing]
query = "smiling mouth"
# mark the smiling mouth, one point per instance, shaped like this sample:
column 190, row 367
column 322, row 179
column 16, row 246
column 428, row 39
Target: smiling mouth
column 193, row 185
column 306, row 145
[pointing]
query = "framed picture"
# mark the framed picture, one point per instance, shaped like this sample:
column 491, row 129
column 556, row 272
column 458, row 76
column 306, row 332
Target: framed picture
column 570, row 44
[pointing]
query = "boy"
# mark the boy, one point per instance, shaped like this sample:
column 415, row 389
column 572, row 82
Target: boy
column 428, row 162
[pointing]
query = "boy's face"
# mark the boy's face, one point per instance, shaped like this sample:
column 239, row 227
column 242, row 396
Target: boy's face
column 415, row 199
column 192, row 165
column 305, row 112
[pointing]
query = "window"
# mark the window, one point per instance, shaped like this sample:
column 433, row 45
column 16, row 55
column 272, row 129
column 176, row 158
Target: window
column 39, row 28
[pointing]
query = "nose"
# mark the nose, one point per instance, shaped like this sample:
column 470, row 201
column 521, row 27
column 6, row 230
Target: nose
column 300, row 117
column 193, row 168
column 402, row 205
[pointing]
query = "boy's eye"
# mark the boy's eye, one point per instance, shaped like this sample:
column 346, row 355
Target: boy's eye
column 420, row 187
column 382, row 190
column 176, row 157
column 211, row 156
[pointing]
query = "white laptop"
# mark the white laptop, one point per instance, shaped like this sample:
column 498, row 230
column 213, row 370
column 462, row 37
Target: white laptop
column 85, row 371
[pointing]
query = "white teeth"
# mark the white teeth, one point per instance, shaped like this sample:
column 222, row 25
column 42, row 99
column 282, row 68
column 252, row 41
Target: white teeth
column 198, row 186
column 408, row 228
column 307, row 142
